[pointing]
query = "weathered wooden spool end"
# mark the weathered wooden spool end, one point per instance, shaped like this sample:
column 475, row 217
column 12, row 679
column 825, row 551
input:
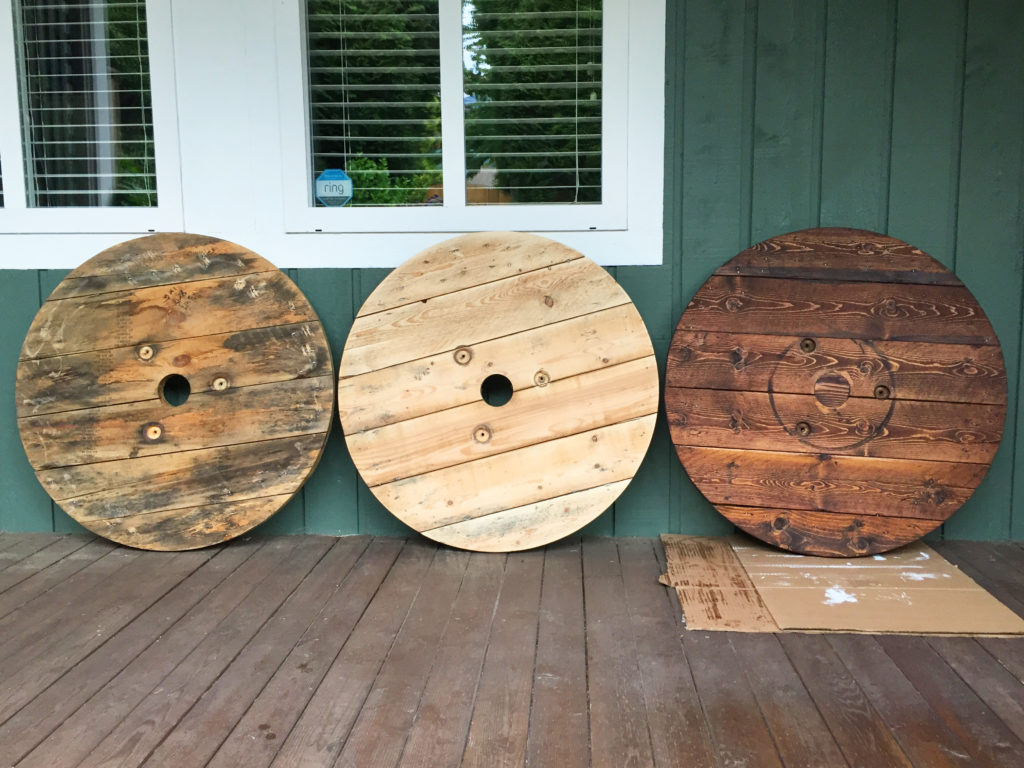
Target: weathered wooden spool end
column 174, row 391
column 498, row 391
column 835, row 392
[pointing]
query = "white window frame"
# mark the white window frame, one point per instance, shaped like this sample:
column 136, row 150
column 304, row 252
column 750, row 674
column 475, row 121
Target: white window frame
column 629, row 216
column 17, row 217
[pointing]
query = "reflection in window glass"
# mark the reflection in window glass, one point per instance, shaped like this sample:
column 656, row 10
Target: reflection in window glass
column 83, row 71
column 532, row 77
column 375, row 97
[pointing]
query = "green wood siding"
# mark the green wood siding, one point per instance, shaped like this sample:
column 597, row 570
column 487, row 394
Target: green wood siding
column 905, row 117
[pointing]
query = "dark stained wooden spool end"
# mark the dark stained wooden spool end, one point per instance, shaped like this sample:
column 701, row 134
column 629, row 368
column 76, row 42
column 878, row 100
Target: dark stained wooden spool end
column 835, row 392
column 174, row 391
column 498, row 391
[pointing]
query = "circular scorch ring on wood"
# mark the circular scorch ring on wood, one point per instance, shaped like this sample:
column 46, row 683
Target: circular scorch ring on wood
column 835, row 392
column 174, row 391
column 498, row 391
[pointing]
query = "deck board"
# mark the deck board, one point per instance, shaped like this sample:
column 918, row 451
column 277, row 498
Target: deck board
column 313, row 651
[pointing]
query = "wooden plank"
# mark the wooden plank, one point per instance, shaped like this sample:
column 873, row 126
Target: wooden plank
column 784, row 701
column 206, row 420
column 915, row 430
column 829, row 534
column 57, row 549
column 501, row 712
column 113, row 376
column 212, row 617
column 45, row 580
column 929, row 490
column 937, row 314
column 437, row 735
column 159, row 260
column 921, row 734
column 21, row 546
column 154, row 628
column 466, row 491
column 558, row 732
column 159, row 314
column 138, row 734
column 737, row 727
column 478, row 314
column 619, row 731
column 859, row 731
column 31, row 669
column 133, row 486
column 954, row 373
column 324, row 724
column 521, row 527
column 564, row 408
column 836, row 254
column 983, row 734
column 256, row 737
column 993, row 683
column 445, row 268
column 379, row 734
column 429, row 384
column 679, row 735
column 196, row 736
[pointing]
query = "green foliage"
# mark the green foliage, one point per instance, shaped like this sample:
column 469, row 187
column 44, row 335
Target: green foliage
column 373, row 184
column 535, row 84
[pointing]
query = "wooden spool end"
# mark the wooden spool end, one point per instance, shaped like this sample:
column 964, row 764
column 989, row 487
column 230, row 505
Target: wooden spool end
column 174, row 391
column 835, row 392
column 498, row 391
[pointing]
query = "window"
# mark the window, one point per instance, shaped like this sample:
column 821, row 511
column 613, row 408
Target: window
column 79, row 118
column 463, row 115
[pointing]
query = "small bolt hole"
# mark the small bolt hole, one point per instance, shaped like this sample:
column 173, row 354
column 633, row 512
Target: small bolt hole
column 808, row 345
column 882, row 392
column 175, row 389
column 803, row 428
column 496, row 390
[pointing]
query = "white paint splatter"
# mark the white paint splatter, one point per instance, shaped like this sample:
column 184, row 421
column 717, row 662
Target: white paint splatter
column 923, row 556
column 879, row 557
column 836, row 595
column 919, row 576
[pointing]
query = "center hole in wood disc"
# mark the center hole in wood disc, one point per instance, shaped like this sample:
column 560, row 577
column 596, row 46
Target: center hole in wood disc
column 496, row 390
column 832, row 390
column 175, row 389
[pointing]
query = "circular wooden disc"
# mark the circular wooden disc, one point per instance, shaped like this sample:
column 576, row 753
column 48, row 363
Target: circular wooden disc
column 835, row 392
column 557, row 332
column 110, row 349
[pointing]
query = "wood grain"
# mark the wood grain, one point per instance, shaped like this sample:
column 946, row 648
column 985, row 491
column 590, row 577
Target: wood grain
column 256, row 391
column 580, row 374
column 835, row 391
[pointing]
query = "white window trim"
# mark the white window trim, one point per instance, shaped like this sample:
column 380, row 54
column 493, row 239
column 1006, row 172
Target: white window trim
column 17, row 217
column 625, row 228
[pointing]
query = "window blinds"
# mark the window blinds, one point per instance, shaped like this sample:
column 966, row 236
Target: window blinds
column 375, row 97
column 533, row 100
column 85, row 95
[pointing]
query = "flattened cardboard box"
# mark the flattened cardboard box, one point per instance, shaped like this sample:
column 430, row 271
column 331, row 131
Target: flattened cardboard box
column 734, row 583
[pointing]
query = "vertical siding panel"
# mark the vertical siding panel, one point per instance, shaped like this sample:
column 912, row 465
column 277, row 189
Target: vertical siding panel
column 857, row 113
column 331, row 494
column 787, row 119
column 927, row 96
column 715, row 222
column 374, row 517
column 990, row 233
column 61, row 521
column 24, row 505
column 291, row 518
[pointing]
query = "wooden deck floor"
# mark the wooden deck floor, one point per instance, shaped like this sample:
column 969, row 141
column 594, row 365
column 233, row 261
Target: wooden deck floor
column 311, row 651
